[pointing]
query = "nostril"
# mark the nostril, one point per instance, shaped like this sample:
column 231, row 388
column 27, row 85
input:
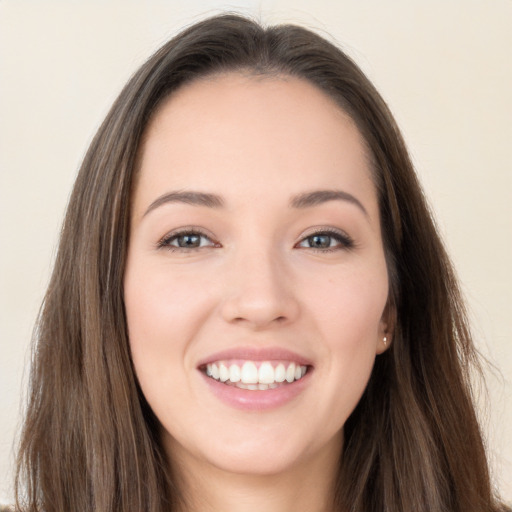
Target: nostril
column 279, row 319
column 260, row 306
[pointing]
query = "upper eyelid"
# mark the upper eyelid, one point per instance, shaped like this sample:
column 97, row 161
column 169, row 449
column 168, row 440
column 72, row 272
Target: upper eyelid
column 320, row 230
column 187, row 230
column 344, row 239
column 317, row 230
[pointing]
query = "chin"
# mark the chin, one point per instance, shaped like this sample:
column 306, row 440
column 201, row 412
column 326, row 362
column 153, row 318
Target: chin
column 259, row 452
column 262, row 464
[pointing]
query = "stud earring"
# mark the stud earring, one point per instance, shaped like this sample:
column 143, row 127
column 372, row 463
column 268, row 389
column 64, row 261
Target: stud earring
column 385, row 340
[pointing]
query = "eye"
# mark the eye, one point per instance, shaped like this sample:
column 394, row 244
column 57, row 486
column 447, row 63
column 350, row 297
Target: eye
column 327, row 240
column 186, row 240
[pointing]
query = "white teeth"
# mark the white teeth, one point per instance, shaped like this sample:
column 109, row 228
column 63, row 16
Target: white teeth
column 280, row 373
column 223, row 373
column 234, row 373
column 290, row 373
column 266, row 374
column 249, row 376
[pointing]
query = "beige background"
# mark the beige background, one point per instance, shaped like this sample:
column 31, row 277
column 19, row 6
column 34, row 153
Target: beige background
column 444, row 68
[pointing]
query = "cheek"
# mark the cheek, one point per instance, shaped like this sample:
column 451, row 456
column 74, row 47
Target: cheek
column 349, row 324
column 164, row 310
column 349, row 307
column 158, row 301
column 347, row 311
column 160, row 319
column 150, row 313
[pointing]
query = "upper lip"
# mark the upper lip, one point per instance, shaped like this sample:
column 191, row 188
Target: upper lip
column 255, row 354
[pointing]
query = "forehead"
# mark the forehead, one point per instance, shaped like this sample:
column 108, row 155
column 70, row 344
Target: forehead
column 245, row 132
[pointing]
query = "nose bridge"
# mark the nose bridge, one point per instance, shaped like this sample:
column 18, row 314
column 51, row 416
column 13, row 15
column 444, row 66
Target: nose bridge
column 258, row 291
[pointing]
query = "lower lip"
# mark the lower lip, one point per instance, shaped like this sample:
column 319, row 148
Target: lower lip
column 257, row 400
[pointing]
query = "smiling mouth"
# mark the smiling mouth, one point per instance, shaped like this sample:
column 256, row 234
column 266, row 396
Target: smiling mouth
column 255, row 375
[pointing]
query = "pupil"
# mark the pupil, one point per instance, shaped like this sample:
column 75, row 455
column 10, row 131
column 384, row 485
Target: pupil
column 320, row 241
column 188, row 241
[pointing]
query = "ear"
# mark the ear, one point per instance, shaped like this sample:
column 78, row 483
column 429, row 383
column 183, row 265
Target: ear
column 386, row 328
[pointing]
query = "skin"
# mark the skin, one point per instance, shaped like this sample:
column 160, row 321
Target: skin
column 255, row 281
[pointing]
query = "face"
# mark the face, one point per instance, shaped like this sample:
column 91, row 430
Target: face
column 256, row 284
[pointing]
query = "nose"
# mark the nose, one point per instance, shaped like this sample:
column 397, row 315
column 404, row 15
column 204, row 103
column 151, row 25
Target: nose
column 259, row 292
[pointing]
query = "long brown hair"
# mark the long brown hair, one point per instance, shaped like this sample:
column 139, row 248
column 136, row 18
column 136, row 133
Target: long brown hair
column 90, row 442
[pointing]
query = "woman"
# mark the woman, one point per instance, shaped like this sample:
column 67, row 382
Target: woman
column 250, row 305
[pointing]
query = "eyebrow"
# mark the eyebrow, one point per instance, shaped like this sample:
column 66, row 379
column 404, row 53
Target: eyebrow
column 317, row 197
column 300, row 201
column 187, row 197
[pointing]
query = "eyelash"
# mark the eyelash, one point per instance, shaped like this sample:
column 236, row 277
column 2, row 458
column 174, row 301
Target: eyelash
column 344, row 241
column 165, row 242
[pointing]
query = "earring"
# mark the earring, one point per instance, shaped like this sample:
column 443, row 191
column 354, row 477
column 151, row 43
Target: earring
column 385, row 340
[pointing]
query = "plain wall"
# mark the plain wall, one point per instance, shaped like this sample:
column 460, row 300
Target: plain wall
column 443, row 67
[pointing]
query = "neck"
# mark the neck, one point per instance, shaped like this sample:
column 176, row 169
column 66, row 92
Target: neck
column 308, row 487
